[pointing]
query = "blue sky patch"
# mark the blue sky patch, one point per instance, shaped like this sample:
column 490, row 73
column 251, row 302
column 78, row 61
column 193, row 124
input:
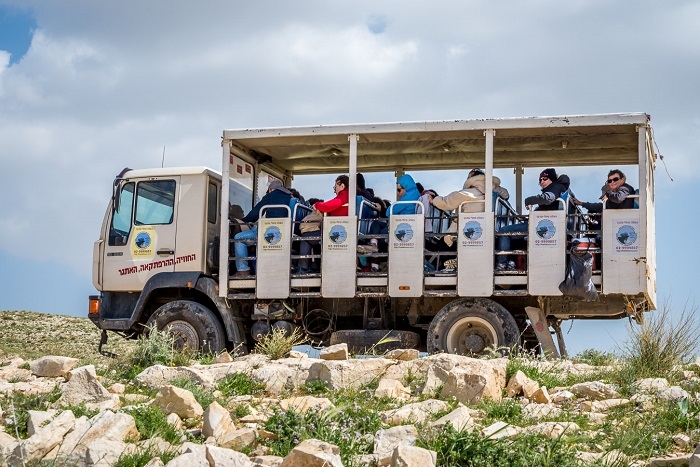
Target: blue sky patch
column 16, row 31
column 376, row 24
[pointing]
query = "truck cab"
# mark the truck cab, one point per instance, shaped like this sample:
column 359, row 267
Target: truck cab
column 165, row 256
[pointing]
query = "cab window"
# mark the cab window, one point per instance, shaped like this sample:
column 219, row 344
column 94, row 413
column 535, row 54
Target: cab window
column 155, row 201
column 121, row 220
column 212, row 202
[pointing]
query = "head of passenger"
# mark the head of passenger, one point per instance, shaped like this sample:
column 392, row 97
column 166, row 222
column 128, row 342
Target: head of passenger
column 341, row 183
column 277, row 185
column 360, row 181
column 616, row 179
column 547, row 177
column 404, row 185
column 475, row 172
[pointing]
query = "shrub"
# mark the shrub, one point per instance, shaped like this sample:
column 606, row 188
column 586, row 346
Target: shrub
column 661, row 345
column 240, row 384
column 279, row 343
column 153, row 348
column 596, row 357
column 151, row 421
column 143, row 455
column 17, row 406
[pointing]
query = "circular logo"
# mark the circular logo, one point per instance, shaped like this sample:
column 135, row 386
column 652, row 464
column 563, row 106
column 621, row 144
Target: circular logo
column 403, row 233
column 143, row 240
column 472, row 230
column 546, row 229
column 626, row 235
column 338, row 234
column 273, row 235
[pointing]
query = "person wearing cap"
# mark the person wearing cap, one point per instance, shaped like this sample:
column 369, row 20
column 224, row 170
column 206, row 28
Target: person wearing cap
column 276, row 194
column 552, row 186
column 614, row 193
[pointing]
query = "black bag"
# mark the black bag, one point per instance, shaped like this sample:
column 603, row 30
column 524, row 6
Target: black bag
column 578, row 282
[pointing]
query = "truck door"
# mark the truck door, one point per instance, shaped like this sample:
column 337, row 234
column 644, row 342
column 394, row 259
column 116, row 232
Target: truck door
column 142, row 228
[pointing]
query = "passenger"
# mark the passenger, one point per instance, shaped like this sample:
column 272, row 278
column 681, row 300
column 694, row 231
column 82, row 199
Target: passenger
column 474, row 189
column 366, row 193
column 406, row 190
column 310, row 227
column 337, row 206
column 425, row 197
column 615, row 194
column 276, row 194
column 552, row 188
column 296, row 194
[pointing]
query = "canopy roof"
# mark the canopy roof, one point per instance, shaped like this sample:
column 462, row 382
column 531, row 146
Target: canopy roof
column 609, row 139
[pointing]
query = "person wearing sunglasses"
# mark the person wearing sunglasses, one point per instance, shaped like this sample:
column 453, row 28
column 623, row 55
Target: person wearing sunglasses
column 614, row 193
column 552, row 186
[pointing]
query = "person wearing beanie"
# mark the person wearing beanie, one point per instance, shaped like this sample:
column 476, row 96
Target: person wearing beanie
column 552, row 186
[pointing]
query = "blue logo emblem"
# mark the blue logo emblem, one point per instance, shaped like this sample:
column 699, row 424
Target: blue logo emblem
column 472, row 230
column 626, row 235
column 272, row 235
column 403, row 233
column 143, row 241
column 338, row 234
column 545, row 229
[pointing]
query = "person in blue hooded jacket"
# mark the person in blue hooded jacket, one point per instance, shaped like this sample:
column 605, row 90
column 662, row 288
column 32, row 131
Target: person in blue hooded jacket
column 406, row 190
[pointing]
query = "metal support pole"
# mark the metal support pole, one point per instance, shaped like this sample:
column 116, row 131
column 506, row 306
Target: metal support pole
column 224, row 234
column 352, row 198
column 519, row 188
column 488, row 166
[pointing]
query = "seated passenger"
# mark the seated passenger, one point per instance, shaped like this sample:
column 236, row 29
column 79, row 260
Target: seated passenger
column 310, row 227
column 615, row 194
column 552, row 188
column 276, row 194
column 406, row 190
column 474, row 189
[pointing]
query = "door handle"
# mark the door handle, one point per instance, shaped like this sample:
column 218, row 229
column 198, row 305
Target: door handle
column 166, row 252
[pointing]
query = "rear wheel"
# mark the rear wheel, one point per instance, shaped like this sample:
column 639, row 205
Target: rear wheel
column 472, row 326
column 191, row 324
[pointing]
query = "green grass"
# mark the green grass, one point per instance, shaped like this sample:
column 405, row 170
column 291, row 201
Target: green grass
column 278, row 343
column 151, row 421
column 240, row 384
column 17, row 405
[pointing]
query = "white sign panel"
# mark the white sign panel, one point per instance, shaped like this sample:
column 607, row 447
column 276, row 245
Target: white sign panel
column 406, row 255
column 273, row 250
column 475, row 255
column 338, row 263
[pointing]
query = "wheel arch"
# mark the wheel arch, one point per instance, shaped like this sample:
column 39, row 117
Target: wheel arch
column 194, row 286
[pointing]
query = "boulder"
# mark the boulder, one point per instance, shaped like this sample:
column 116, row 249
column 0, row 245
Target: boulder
column 267, row 461
column 417, row 412
column 239, row 439
column 651, row 385
column 44, row 440
column 302, row 404
column 554, row 430
column 223, row 357
column 460, row 419
column 38, row 418
column 313, row 453
column 519, row 383
column 160, row 375
column 480, row 379
column 52, row 366
column 189, row 459
column 404, row 355
column 595, row 390
column 222, row 457
column 501, row 430
column 541, row 396
column 386, row 441
column 413, row 456
column 106, row 453
column 335, row 352
column 84, row 388
column 217, row 421
column 392, row 389
column 171, row 399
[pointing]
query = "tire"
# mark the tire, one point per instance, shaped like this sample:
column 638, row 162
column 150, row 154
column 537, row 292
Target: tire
column 360, row 340
column 472, row 326
column 191, row 324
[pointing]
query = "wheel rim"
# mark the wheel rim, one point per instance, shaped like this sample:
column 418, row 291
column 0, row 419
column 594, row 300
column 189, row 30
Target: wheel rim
column 184, row 334
column 471, row 335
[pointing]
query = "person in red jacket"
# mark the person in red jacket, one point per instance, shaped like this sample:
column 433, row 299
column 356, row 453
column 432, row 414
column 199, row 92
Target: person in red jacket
column 337, row 206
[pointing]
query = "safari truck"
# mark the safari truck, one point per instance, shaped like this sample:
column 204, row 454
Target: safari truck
column 165, row 254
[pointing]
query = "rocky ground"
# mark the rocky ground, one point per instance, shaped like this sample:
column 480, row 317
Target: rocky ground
column 66, row 405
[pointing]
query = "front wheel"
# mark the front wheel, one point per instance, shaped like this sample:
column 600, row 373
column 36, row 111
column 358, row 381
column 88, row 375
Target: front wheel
column 191, row 324
column 472, row 326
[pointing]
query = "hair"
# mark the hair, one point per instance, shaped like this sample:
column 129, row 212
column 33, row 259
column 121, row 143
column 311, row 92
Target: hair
column 474, row 172
column 344, row 179
column 313, row 201
column 296, row 194
column 617, row 171
column 360, row 181
column 419, row 186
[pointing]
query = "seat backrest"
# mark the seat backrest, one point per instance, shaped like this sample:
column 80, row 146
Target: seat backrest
column 636, row 200
column 365, row 212
column 299, row 209
column 439, row 219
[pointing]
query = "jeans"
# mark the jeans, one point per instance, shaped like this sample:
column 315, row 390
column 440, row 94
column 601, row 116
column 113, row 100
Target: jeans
column 241, row 249
column 504, row 241
column 305, row 249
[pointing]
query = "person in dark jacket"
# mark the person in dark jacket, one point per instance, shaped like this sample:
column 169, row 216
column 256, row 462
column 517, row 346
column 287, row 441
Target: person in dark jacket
column 614, row 193
column 276, row 194
column 552, row 187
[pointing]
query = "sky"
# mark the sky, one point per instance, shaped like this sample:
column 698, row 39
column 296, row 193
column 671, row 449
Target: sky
column 88, row 88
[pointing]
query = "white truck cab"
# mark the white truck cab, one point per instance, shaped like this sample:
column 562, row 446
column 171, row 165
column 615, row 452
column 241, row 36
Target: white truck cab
column 165, row 256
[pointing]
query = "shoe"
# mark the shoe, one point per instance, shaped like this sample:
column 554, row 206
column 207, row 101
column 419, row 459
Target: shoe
column 242, row 274
column 368, row 248
column 500, row 267
column 304, row 271
column 511, row 266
